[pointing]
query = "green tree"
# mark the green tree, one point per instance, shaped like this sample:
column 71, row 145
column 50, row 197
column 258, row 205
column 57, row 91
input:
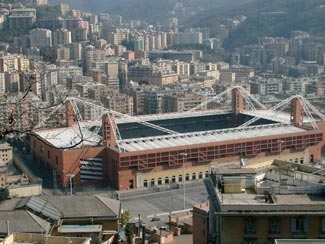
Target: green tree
column 125, row 218
column 129, row 231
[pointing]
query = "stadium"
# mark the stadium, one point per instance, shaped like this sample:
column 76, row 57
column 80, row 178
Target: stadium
column 163, row 149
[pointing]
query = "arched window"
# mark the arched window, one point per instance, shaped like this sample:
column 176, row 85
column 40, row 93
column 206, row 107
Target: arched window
column 193, row 176
column 145, row 183
column 173, row 178
column 166, row 180
column 206, row 174
column 200, row 175
column 159, row 181
column 152, row 182
column 180, row 178
column 187, row 177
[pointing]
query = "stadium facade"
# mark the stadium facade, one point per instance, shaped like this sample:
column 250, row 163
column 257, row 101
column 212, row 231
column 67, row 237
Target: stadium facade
column 151, row 150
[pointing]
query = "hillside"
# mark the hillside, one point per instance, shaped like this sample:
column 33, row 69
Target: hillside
column 268, row 18
column 151, row 11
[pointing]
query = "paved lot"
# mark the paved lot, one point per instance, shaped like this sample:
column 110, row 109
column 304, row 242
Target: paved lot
column 161, row 204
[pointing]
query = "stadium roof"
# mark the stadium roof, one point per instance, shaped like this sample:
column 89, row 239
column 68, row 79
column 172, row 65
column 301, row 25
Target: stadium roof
column 166, row 141
column 190, row 129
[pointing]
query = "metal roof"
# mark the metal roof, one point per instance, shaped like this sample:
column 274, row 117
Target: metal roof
column 153, row 117
column 40, row 206
column 274, row 115
column 166, row 141
column 70, row 136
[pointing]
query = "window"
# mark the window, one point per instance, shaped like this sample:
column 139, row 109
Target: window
column 299, row 224
column 152, row 182
column 166, row 180
column 187, row 177
column 159, row 181
column 250, row 225
column 173, row 178
column 48, row 154
column 250, row 241
column 180, row 178
column 275, row 224
column 323, row 224
column 193, row 176
column 200, row 175
column 145, row 183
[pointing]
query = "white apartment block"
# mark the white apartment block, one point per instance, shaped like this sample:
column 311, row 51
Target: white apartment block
column 188, row 38
column 2, row 83
column 40, row 38
column 61, row 37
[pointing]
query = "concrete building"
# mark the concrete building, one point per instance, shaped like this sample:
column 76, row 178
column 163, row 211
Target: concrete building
column 267, row 201
column 93, row 217
column 91, row 54
column 146, row 150
column 40, row 38
column 41, row 2
column 265, row 87
column 8, row 63
column 188, row 38
column 5, row 154
column 30, row 238
column 59, row 53
column 186, row 56
column 182, row 102
column 2, row 83
column 61, row 37
column 22, row 18
column 121, row 103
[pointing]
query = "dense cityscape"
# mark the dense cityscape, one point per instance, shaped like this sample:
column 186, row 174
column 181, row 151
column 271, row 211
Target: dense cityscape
column 197, row 122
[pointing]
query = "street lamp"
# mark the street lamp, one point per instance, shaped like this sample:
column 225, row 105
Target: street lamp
column 183, row 155
column 70, row 176
column 280, row 142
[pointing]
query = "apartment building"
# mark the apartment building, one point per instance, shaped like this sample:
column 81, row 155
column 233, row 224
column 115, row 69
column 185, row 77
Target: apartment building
column 22, row 18
column 280, row 200
column 119, row 102
column 40, row 38
column 61, row 36
column 182, row 102
column 5, row 153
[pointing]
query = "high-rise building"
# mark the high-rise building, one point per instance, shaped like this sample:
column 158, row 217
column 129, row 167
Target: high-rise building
column 8, row 63
column 61, row 36
column 22, row 18
column 2, row 83
column 181, row 102
column 91, row 54
column 41, row 2
column 40, row 38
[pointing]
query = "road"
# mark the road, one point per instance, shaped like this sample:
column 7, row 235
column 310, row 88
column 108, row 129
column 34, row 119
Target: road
column 161, row 204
